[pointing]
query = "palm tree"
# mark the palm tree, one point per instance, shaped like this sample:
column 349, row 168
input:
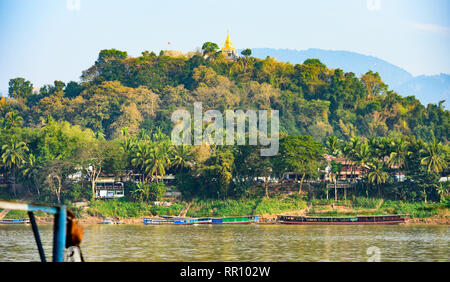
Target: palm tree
column 434, row 157
column 363, row 156
column 399, row 154
column 333, row 145
column 350, row 149
column 99, row 135
column 30, row 172
column 384, row 148
column 377, row 174
column 182, row 157
column 153, row 159
column 12, row 120
column 13, row 157
column 139, row 191
column 336, row 168
column 155, row 165
column 140, row 155
column 442, row 191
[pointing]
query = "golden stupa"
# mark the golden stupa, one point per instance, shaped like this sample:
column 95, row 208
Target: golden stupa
column 228, row 50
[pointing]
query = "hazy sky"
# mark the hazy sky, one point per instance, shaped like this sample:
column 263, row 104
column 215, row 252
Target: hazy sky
column 49, row 40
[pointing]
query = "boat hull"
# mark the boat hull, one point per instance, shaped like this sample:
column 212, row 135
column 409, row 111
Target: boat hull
column 358, row 220
column 343, row 223
column 196, row 221
column 168, row 221
column 236, row 220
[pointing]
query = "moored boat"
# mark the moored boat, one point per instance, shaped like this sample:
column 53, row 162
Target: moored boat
column 169, row 221
column 194, row 221
column 15, row 221
column 236, row 220
column 110, row 221
column 355, row 220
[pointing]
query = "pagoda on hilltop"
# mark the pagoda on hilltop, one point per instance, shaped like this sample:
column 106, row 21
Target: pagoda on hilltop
column 228, row 50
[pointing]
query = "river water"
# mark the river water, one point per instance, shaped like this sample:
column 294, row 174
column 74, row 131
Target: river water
column 235, row 243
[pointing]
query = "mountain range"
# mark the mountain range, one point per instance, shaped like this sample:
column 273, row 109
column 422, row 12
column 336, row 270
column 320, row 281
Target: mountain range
column 428, row 89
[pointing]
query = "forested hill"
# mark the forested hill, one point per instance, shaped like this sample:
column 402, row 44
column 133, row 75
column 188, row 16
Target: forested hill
column 141, row 93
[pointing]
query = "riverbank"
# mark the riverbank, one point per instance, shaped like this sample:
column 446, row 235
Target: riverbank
column 266, row 208
column 263, row 219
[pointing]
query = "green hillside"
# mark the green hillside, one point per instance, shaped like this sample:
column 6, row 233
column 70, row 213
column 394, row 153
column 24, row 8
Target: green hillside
column 140, row 93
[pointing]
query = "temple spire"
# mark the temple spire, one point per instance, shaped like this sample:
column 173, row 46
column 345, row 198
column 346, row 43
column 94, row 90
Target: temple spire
column 228, row 50
column 228, row 42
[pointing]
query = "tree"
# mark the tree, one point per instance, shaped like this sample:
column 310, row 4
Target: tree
column 20, row 88
column 182, row 158
column 300, row 154
column 246, row 52
column 138, row 192
column 335, row 171
column 333, row 145
column 209, row 48
column 363, row 156
column 442, row 190
column 159, row 161
column 91, row 159
column 13, row 157
column 373, row 83
column 218, row 170
column 145, row 192
column 377, row 174
column 250, row 164
column 30, row 172
column 130, row 117
column 434, row 157
column 54, row 174
column 110, row 54
column 73, row 89
column 398, row 155
column 139, row 155
column 350, row 149
column 156, row 191
column 12, row 120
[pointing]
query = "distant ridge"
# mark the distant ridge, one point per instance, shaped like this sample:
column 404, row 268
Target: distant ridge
column 428, row 89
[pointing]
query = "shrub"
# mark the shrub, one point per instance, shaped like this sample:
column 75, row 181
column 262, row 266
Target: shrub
column 365, row 203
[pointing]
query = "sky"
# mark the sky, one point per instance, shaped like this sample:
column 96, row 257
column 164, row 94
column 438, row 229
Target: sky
column 50, row 40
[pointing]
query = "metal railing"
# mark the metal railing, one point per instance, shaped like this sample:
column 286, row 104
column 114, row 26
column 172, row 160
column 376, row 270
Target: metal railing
column 59, row 228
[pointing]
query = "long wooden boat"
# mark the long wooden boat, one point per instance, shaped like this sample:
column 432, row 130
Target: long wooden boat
column 356, row 220
column 15, row 221
column 202, row 220
column 169, row 221
column 236, row 220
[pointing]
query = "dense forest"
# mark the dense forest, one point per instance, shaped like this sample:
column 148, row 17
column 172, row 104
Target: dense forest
column 117, row 117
